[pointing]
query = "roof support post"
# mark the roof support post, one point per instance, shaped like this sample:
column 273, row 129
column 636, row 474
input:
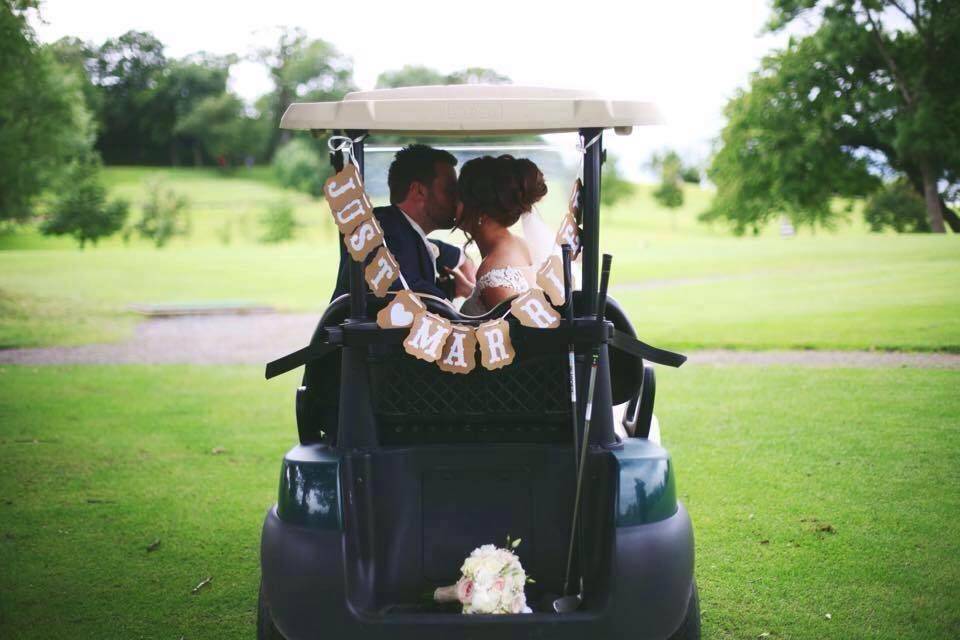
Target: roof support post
column 358, row 286
column 591, row 217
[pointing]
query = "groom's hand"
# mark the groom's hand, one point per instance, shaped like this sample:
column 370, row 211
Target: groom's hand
column 462, row 285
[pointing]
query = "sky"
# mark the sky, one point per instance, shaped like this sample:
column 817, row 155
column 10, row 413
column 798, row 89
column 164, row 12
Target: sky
column 688, row 56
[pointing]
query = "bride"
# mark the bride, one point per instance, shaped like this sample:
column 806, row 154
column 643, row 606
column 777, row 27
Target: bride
column 494, row 194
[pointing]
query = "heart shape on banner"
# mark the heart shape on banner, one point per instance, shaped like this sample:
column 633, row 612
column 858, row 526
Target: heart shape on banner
column 400, row 312
column 399, row 316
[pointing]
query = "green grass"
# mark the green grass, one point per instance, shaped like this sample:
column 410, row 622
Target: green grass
column 686, row 284
column 765, row 458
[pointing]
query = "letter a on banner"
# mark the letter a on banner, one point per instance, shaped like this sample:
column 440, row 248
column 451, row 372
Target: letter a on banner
column 381, row 273
column 460, row 351
column 533, row 310
column 496, row 350
column 427, row 335
column 550, row 279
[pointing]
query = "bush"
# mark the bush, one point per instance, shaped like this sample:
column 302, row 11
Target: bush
column 165, row 215
column 278, row 222
column 613, row 186
column 81, row 209
column 896, row 206
column 298, row 165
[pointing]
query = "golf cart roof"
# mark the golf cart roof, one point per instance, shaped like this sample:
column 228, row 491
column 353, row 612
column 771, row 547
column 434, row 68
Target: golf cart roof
column 472, row 109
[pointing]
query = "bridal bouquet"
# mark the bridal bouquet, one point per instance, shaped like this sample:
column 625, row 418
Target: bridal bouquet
column 492, row 581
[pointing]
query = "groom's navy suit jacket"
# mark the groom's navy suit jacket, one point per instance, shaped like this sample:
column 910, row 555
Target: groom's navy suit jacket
column 406, row 245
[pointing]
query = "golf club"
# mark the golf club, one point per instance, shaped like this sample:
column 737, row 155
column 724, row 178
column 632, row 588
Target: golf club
column 568, row 603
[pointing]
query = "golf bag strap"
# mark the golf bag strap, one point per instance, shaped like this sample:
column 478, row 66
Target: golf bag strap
column 298, row 358
column 628, row 344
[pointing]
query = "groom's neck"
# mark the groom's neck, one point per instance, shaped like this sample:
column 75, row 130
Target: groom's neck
column 418, row 214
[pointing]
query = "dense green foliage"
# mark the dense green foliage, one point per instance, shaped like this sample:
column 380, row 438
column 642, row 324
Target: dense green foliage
column 896, row 206
column 43, row 120
column 418, row 75
column 278, row 222
column 81, row 209
column 614, row 187
column 872, row 90
column 301, row 69
column 298, row 165
column 165, row 214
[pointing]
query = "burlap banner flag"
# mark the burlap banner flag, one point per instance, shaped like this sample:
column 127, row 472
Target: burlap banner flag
column 381, row 272
column 569, row 233
column 496, row 350
column 401, row 311
column 427, row 336
column 533, row 310
column 550, row 279
column 460, row 351
column 347, row 199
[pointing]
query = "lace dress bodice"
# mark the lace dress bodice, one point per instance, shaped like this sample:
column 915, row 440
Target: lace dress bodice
column 515, row 278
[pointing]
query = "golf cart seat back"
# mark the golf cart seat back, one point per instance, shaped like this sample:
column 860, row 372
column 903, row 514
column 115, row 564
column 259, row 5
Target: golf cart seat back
column 414, row 402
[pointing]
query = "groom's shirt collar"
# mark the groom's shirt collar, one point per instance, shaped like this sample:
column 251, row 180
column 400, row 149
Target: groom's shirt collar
column 432, row 250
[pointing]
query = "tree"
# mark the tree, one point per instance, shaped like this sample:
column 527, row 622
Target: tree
column 165, row 215
column 871, row 92
column 298, row 165
column 302, row 69
column 419, row 75
column 135, row 127
column 896, row 206
column 279, row 223
column 43, row 121
column 673, row 173
column 183, row 86
column 81, row 208
column 221, row 129
column 613, row 186
column 410, row 76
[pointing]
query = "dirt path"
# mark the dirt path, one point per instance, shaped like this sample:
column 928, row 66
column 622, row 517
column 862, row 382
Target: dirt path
column 257, row 339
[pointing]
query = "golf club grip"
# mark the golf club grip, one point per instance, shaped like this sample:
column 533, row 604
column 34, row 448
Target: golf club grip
column 604, row 283
column 567, row 281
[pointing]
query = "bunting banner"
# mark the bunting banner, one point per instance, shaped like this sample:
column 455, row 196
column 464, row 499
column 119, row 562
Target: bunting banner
column 432, row 338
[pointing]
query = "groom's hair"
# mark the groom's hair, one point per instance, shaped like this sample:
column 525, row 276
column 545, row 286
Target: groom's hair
column 414, row 163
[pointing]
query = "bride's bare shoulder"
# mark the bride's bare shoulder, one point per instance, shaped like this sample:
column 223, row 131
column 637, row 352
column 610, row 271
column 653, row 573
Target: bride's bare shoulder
column 512, row 253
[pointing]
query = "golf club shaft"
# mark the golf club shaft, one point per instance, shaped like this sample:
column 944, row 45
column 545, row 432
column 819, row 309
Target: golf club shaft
column 571, row 354
column 585, row 444
column 578, row 492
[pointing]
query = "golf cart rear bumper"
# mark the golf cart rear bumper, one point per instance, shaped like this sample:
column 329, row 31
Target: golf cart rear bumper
column 306, row 589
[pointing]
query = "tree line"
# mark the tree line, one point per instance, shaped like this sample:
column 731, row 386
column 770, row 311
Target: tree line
column 867, row 105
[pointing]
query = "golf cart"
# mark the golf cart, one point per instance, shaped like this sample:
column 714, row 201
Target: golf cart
column 402, row 468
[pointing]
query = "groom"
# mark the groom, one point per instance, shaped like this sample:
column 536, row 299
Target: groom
column 423, row 198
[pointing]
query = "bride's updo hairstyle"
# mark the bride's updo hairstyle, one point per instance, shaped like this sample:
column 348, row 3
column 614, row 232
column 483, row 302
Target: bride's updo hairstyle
column 501, row 188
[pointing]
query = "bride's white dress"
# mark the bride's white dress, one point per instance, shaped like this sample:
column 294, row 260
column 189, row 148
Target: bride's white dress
column 517, row 279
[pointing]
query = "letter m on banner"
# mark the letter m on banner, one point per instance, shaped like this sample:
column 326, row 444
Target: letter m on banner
column 426, row 337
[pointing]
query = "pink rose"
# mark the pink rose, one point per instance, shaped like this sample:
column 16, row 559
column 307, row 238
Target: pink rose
column 499, row 584
column 464, row 590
